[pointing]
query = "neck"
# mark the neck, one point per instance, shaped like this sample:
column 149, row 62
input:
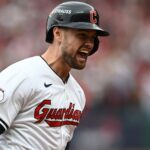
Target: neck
column 53, row 58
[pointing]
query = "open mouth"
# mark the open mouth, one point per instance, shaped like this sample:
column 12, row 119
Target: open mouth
column 83, row 54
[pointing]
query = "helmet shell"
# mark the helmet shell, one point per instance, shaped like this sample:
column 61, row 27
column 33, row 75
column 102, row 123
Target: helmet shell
column 73, row 14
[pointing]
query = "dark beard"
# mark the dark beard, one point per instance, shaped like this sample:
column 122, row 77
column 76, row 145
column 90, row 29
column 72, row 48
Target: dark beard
column 71, row 60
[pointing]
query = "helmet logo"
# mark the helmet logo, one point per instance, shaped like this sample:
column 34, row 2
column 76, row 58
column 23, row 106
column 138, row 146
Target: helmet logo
column 93, row 16
column 61, row 11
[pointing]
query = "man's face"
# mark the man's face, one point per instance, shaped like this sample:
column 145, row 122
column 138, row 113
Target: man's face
column 76, row 46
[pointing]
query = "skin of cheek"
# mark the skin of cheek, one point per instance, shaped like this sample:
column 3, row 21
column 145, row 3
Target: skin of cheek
column 69, row 52
column 70, row 46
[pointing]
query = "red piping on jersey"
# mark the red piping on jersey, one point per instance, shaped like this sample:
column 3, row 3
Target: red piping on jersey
column 61, row 123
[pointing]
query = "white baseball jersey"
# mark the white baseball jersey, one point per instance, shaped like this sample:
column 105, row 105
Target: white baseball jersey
column 37, row 109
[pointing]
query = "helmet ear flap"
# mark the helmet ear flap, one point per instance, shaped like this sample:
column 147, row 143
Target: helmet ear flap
column 96, row 45
column 49, row 31
column 49, row 36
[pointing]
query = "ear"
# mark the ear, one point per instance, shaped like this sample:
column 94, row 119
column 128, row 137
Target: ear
column 57, row 32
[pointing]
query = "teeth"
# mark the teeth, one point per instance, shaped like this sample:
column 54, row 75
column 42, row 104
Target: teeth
column 86, row 52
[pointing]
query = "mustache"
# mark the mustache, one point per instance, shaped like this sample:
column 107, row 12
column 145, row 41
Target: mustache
column 85, row 47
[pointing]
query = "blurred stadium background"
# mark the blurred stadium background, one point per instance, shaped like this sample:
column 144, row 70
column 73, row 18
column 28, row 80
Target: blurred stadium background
column 117, row 78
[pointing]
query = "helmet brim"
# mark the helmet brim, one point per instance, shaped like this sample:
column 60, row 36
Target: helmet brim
column 85, row 25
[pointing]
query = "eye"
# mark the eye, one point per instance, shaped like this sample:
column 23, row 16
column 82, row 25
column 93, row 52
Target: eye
column 82, row 36
column 85, row 36
column 93, row 38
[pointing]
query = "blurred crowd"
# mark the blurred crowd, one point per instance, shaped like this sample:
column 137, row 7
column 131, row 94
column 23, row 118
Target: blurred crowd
column 116, row 79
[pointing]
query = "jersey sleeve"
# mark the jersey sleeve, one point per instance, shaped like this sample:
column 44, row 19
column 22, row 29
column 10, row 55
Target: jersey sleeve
column 11, row 96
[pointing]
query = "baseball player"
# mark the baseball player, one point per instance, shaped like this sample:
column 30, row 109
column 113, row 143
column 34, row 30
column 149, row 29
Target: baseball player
column 40, row 101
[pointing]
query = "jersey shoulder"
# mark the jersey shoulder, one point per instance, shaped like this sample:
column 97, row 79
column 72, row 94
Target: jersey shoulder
column 23, row 73
column 26, row 67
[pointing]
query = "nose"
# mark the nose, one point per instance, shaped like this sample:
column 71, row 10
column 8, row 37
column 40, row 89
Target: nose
column 89, row 43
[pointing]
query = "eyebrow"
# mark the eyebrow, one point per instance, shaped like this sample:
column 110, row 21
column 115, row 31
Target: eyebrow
column 84, row 31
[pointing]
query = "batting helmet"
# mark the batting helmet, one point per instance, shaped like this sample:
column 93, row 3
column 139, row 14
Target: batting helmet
column 78, row 15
